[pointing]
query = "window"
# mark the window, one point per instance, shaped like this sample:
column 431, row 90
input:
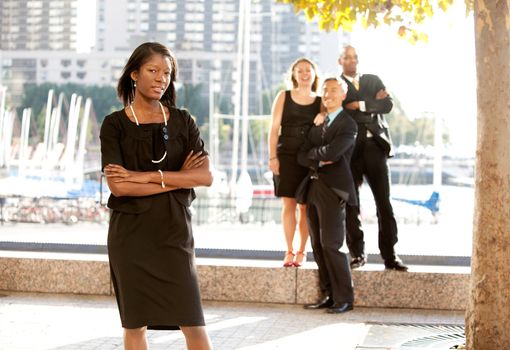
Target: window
column 195, row 7
column 57, row 4
column 224, row 27
column 223, row 47
column 166, row 16
column 34, row 4
column 194, row 27
column 26, row 63
column 167, row 6
column 194, row 36
column 220, row 37
column 33, row 20
column 194, row 17
column 166, row 26
column 56, row 20
column 56, row 29
column 56, row 45
column 55, row 12
column 6, row 62
column 35, row 12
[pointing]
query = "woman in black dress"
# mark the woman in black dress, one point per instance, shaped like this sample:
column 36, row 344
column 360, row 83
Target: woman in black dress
column 293, row 114
column 153, row 156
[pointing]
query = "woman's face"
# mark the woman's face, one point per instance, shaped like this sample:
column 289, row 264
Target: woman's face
column 153, row 78
column 304, row 74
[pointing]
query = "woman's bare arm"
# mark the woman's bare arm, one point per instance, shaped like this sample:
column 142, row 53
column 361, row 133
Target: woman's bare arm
column 134, row 189
column 188, row 178
column 274, row 130
column 123, row 182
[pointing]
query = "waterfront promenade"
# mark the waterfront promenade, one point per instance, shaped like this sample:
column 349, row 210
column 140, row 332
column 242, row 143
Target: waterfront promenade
column 31, row 321
column 49, row 321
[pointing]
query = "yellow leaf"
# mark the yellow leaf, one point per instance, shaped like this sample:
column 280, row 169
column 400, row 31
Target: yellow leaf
column 387, row 18
column 310, row 13
column 335, row 14
column 364, row 22
column 322, row 24
column 428, row 10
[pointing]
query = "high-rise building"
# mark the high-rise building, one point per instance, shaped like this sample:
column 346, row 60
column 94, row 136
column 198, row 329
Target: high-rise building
column 38, row 24
column 38, row 43
column 204, row 36
column 32, row 32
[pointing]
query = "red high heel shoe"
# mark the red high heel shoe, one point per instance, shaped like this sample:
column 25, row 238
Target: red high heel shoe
column 289, row 259
column 299, row 259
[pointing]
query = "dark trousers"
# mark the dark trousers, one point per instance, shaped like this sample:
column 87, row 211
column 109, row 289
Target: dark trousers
column 326, row 224
column 370, row 161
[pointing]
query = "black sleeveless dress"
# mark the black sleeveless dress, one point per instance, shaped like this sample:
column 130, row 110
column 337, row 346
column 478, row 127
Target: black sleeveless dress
column 296, row 121
column 150, row 242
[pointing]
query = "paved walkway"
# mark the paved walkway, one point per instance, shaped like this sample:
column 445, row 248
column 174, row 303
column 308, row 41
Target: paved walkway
column 67, row 322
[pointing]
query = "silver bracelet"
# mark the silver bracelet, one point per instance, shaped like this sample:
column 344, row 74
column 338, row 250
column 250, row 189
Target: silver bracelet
column 162, row 182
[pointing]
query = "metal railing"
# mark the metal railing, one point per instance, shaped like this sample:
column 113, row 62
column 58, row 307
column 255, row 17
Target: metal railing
column 207, row 210
column 51, row 210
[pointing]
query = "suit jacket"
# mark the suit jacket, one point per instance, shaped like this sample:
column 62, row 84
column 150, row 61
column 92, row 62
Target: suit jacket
column 373, row 118
column 335, row 145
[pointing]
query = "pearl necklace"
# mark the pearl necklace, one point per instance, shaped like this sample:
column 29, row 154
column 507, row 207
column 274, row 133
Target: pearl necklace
column 136, row 119
column 138, row 124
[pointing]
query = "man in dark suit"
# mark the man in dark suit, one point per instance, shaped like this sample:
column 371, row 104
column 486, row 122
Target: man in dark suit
column 327, row 152
column 367, row 101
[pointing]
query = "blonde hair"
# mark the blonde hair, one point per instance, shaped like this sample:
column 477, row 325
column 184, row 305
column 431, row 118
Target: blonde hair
column 315, row 83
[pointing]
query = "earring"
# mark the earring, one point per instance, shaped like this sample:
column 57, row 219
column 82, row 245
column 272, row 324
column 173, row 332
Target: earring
column 134, row 84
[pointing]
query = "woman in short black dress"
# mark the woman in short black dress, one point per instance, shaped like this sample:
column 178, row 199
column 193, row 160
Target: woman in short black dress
column 293, row 114
column 153, row 156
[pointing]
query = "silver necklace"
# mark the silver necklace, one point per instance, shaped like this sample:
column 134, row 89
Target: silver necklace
column 138, row 124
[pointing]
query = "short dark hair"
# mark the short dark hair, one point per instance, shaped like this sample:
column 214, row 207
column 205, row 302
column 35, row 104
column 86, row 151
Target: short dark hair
column 125, row 89
column 345, row 48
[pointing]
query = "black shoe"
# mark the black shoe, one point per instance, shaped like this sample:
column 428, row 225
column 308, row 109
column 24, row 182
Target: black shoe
column 358, row 262
column 321, row 304
column 339, row 308
column 396, row 265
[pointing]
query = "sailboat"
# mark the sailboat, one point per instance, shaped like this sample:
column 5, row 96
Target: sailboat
column 240, row 184
column 55, row 166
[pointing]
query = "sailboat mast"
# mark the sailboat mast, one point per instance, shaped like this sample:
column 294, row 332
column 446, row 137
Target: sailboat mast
column 246, row 87
column 237, row 105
